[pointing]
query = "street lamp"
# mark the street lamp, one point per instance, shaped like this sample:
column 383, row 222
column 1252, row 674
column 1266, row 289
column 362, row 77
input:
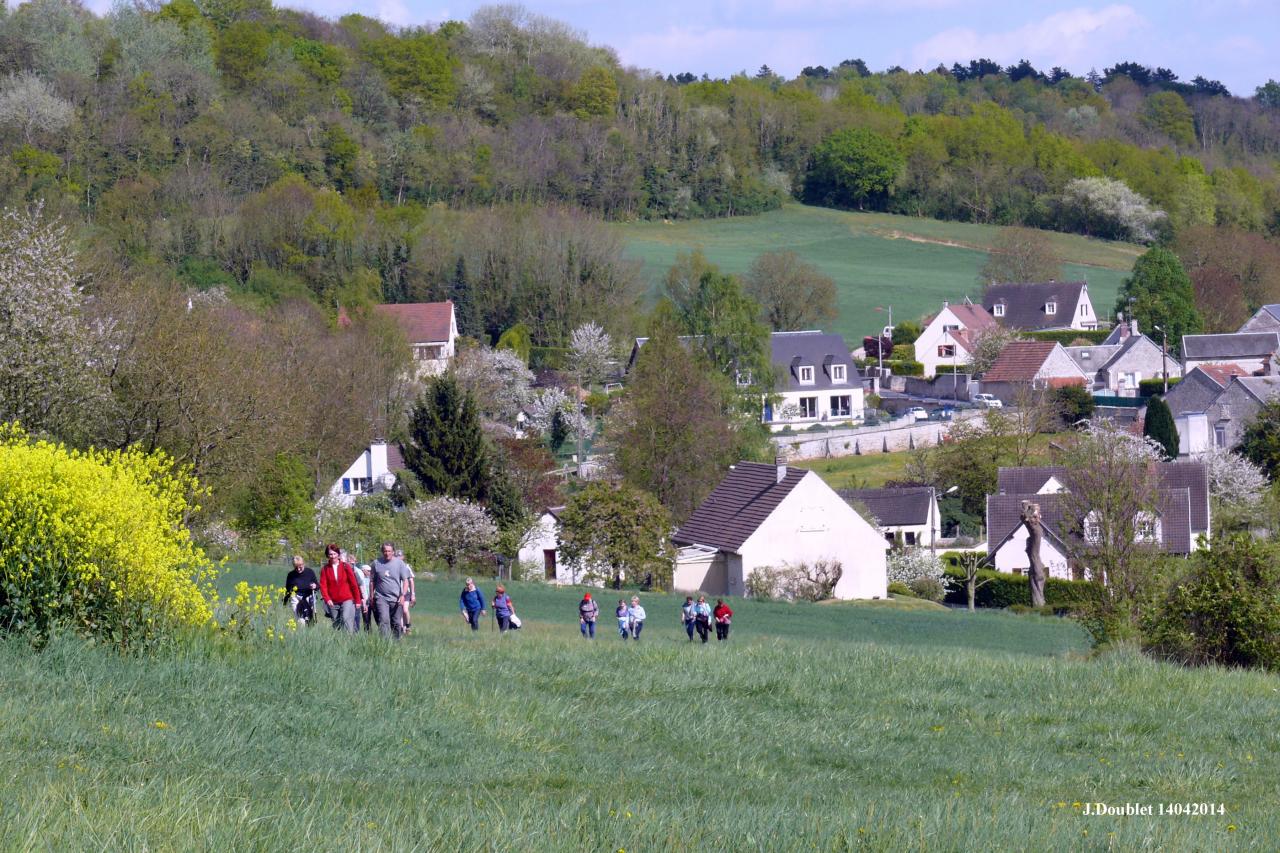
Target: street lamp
column 1164, row 356
column 880, row 339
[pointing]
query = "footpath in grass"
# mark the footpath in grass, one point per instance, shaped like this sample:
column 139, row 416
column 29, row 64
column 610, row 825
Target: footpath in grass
column 876, row 259
column 835, row 726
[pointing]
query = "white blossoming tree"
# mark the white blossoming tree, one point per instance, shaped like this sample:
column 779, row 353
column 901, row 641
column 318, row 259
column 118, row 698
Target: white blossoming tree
column 1108, row 208
column 550, row 402
column 590, row 349
column 48, row 352
column 497, row 378
column 453, row 531
column 1237, row 487
column 28, row 102
column 909, row 564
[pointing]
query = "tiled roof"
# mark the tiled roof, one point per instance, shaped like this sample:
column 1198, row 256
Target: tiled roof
column 747, row 496
column 974, row 318
column 1173, row 475
column 1019, row 361
column 1004, row 516
column 1024, row 303
column 395, row 458
column 1221, row 373
column 791, row 350
column 423, row 322
column 894, row 507
column 1091, row 359
column 1264, row 388
column 1238, row 345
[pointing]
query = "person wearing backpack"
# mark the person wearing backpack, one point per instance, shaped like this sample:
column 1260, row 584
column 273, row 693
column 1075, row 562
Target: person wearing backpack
column 503, row 608
column 588, row 612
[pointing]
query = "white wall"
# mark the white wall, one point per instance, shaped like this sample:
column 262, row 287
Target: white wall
column 814, row 523
column 545, row 536
column 1248, row 365
column 933, row 337
column 1194, row 435
column 1085, row 319
column 792, row 398
column 1013, row 555
column 370, row 465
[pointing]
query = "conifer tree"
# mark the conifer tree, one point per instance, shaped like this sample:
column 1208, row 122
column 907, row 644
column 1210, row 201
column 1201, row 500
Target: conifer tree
column 1159, row 427
column 446, row 449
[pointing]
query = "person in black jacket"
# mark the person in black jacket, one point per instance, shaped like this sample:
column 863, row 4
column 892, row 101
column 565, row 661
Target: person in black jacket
column 300, row 587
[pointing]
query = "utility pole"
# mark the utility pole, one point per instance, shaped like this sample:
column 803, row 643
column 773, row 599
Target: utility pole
column 1164, row 357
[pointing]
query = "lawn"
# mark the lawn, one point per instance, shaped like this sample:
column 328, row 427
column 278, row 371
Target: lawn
column 877, row 259
column 835, row 726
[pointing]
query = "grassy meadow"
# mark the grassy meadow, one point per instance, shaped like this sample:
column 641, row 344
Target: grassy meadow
column 832, row 727
column 877, row 259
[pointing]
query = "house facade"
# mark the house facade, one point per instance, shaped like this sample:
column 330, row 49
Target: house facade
column 1031, row 365
column 817, row 381
column 432, row 331
column 1118, row 369
column 1189, row 402
column 770, row 516
column 949, row 338
column 1041, row 306
column 1256, row 353
column 908, row 515
column 541, row 546
column 1234, row 409
column 1267, row 319
column 374, row 470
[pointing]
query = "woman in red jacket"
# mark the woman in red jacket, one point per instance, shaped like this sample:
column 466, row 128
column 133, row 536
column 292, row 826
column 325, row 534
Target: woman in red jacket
column 723, row 616
column 340, row 589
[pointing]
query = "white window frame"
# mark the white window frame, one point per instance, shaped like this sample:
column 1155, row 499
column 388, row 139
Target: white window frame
column 838, row 373
column 806, row 374
column 1220, row 435
column 809, row 403
column 1092, row 528
column 946, row 350
column 742, row 378
column 1147, row 528
column 841, row 406
column 997, row 310
column 1051, row 307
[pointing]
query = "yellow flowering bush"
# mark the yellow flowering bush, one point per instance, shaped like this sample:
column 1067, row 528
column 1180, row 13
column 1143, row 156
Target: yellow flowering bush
column 95, row 541
column 254, row 611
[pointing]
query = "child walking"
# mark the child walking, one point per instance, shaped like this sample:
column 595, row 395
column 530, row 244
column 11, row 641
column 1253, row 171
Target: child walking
column 624, row 618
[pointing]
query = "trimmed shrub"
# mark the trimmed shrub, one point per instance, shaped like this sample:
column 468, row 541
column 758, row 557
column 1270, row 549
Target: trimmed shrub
column 95, row 542
column 1067, row 337
column 1152, row 387
column 930, row 589
column 898, row 588
column 905, row 368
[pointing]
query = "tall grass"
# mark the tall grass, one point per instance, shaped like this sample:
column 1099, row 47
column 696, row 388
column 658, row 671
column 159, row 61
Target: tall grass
column 829, row 726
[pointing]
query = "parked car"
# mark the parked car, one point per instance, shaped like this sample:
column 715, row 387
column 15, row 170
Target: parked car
column 987, row 401
column 918, row 413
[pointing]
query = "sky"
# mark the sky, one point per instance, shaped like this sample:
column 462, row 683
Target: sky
column 1220, row 39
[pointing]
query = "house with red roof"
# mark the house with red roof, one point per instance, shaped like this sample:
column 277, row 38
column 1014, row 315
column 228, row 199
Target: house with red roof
column 950, row 336
column 432, row 330
column 1031, row 365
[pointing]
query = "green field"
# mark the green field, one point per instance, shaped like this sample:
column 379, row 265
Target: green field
column 877, row 259
column 829, row 727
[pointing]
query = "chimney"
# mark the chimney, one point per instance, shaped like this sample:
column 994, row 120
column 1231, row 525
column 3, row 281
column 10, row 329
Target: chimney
column 781, row 462
column 1133, row 327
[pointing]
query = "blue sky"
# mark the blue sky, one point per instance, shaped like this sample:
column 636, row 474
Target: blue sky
column 1222, row 39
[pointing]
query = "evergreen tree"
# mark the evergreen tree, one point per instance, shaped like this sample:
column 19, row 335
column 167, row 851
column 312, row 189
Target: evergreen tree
column 446, row 449
column 1159, row 427
column 463, row 304
column 1159, row 293
column 1261, row 442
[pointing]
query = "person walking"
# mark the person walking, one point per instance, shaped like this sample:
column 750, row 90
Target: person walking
column 340, row 590
column 300, row 587
column 702, row 617
column 503, row 609
column 624, row 618
column 412, row 598
column 637, row 616
column 390, row 582
column 723, row 616
column 686, row 616
column 471, row 603
column 588, row 612
column 364, row 575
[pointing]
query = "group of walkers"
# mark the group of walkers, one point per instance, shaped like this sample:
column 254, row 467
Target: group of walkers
column 695, row 616
column 354, row 597
column 382, row 592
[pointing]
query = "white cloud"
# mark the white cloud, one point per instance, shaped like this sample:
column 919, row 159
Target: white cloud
column 1081, row 36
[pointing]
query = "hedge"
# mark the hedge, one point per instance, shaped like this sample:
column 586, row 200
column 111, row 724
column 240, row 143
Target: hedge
column 905, row 368
column 1066, row 336
column 1006, row 590
column 1152, row 387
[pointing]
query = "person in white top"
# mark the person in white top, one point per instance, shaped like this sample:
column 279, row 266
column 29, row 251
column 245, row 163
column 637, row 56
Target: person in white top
column 636, row 615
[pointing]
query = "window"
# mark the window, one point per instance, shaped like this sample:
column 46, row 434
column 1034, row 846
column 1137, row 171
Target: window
column 1084, row 310
column 1051, row 308
column 998, row 309
column 947, row 351
column 356, row 485
column 809, row 406
column 806, row 374
column 1093, row 528
column 837, row 373
column 346, row 485
column 743, row 378
column 1220, row 436
column 950, row 328
column 840, row 406
column 1146, row 528
column 910, row 537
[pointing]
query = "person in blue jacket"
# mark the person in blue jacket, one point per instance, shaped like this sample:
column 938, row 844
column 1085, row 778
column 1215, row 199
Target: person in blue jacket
column 471, row 603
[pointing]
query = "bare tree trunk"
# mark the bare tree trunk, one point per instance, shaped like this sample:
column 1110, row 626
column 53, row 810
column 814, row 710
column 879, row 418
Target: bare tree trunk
column 1035, row 534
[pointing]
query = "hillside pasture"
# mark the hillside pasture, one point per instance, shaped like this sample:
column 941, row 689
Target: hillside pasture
column 832, row 727
column 876, row 259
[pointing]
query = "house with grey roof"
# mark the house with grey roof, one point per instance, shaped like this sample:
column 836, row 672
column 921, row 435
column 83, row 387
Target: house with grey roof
column 906, row 514
column 1182, row 516
column 1041, row 306
column 1253, row 352
column 1189, row 401
column 1117, row 369
column 771, row 516
column 817, row 381
column 1267, row 319
column 1235, row 408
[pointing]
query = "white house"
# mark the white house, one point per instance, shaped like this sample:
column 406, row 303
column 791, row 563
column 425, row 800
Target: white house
column 908, row 513
column 542, row 546
column 771, row 516
column 1256, row 353
column 949, row 338
column 374, row 470
column 432, row 331
column 817, row 381
column 1041, row 306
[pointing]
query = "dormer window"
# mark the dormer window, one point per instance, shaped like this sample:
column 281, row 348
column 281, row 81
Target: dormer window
column 806, row 374
column 743, row 378
column 1084, row 354
column 837, row 373
column 998, row 309
column 950, row 328
column 1051, row 308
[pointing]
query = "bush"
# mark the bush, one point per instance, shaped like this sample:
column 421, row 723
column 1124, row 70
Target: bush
column 95, row 542
column 898, row 588
column 905, row 368
column 1152, row 387
column 1224, row 610
column 1006, row 590
column 930, row 589
column 801, row 582
column 1067, row 337
column 906, row 565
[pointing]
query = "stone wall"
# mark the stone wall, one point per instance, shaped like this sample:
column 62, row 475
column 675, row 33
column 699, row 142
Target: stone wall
column 902, row 434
